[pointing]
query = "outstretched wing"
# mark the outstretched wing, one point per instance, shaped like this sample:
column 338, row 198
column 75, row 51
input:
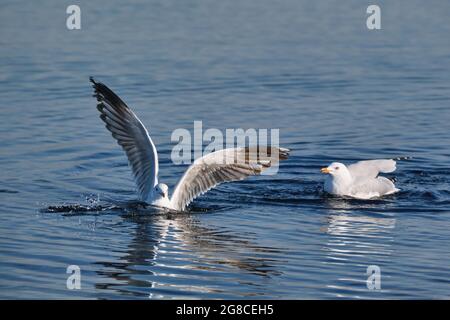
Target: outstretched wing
column 131, row 134
column 226, row 165
column 371, row 168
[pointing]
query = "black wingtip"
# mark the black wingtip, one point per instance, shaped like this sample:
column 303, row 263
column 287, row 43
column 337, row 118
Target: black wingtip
column 402, row 158
column 104, row 94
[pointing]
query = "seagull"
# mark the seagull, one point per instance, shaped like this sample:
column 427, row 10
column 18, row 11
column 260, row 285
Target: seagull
column 360, row 180
column 231, row 164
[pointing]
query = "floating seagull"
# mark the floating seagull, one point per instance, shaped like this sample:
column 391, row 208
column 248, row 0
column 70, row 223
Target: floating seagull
column 225, row 165
column 360, row 180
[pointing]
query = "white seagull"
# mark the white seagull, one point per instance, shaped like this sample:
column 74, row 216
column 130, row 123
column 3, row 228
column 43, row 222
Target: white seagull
column 225, row 165
column 360, row 180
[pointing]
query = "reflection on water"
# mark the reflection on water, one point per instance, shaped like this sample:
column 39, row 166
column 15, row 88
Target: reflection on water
column 356, row 236
column 159, row 263
column 342, row 225
column 357, row 240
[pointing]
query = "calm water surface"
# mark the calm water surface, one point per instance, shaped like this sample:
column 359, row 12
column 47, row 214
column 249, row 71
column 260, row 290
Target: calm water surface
column 334, row 89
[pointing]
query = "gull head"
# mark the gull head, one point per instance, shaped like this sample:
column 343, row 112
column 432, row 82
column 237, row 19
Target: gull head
column 338, row 172
column 335, row 169
column 162, row 190
column 339, row 179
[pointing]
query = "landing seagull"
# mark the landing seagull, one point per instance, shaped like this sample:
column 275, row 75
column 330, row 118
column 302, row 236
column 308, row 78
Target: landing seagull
column 225, row 165
column 360, row 180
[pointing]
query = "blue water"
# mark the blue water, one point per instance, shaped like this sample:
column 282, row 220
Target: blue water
column 336, row 91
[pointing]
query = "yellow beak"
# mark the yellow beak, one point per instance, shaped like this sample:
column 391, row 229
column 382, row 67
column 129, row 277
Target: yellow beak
column 325, row 170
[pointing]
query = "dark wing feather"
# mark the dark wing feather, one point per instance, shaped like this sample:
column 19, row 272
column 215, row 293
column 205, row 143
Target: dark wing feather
column 131, row 135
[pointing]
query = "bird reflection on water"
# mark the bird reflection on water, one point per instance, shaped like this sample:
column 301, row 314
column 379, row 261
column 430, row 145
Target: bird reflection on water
column 356, row 239
column 171, row 253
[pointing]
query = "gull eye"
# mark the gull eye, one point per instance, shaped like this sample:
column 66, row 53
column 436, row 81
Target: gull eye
column 336, row 168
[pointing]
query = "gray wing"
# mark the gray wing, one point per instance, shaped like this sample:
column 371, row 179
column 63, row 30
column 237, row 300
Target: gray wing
column 371, row 168
column 131, row 135
column 371, row 188
column 225, row 165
